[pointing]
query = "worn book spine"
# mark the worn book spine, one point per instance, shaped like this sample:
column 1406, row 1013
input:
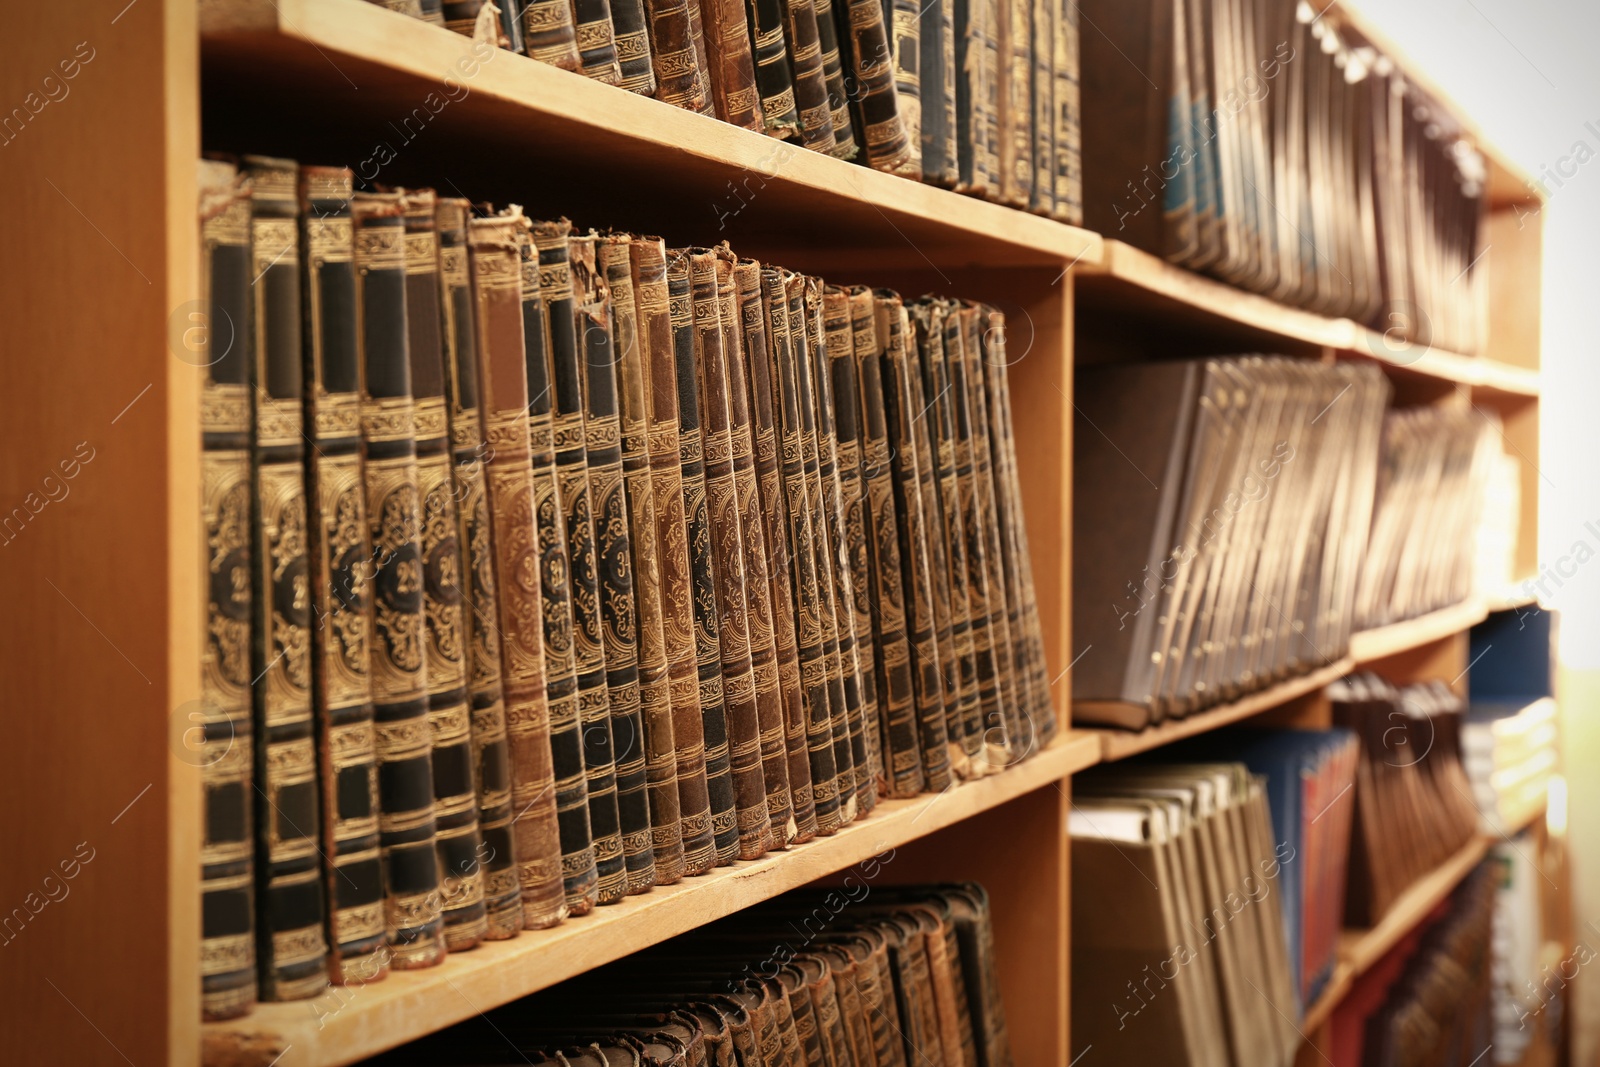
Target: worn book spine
column 455, row 799
column 404, row 741
column 936, row 58
column 1068, row 129
column 697, row 38
column 722, row 507
column 774, row 79
column 632, row 31
column 897, row 709
column 655, row 694
column 844, row 138
column 903, row 24
column 774, row 516
column 549, row 34
column 656, row 300
column 574, row 491
column 340, row 552
column 579, row 875
column 226, row 737
column 508, row 474
column 1015, row 103
column 677, row 54
column 812, row 112
column 702, row 566
column 818, row 720
column 739, row 293
column 491, row 762
column 432, row 11
column 1042, row 93
column 864, row 46
column 597, row 44
column 291, row 949
column 976, row 56
column 733, row 72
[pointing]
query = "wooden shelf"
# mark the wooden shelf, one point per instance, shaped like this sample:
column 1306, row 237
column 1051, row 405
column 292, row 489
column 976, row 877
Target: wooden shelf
column 344, row 1026
column 1362, row 948
column 1332, row 993
column 1369, row 646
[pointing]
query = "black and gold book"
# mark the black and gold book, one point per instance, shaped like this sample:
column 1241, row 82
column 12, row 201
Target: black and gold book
column 1068, row 134
column 404, row 741
column 573, row 490
column 455, row 797
column 340, row 549
column 655, row 694
column 226, row 738
column 1015, row 75
column 732, row 68
column 818, row 724
column 757, row 371
column 845, row 144
column 508, row 477
column 728, row 563
column 549, row 33
column 597, row 43
column 774, row 80
column 937, row 84
column 580, row 877
column 632, row 34
column 653, row 296
column 291, row 945
column 869, row 63
column 903, row 26
column 1042, row 92
column 977, row 97
column 464, row 16
column 677, row 50
column 810, row 82
column 702, row 565
column 491, row 761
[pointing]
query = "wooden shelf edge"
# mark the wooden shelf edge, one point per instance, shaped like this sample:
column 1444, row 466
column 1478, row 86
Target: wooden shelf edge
column 346, row 1025
column 1523, row 819
column 1338, row 985
column 1369, row 646
column 1362, row 948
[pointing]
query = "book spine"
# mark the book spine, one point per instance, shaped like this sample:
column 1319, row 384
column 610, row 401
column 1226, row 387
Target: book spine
column 340, row 552
column 678, row 53
column 812, row 112
column 656, row 301
column 900, row 751
column 742, row 327
column 291, row 949
column 1015, row 115
column 404, row 741
column 937, row 88
column 757, row 369
column 632, row 32
column 774, row 81
column 904, row 28
column 508, row 477
column 579, row 874
column 455, row 800
column 432, row 11
column 818, row 722
column 655, row 692
column 463, row 16
column 1068, row 168
column 573, row 490
column 874, row 103
column 733, row 72
column 844, row 138
column 597, row 43
column 702, row 568
column 491, row 762
column 722, row 507
column 549, row 35
column 226, row 737
column 1042, row 93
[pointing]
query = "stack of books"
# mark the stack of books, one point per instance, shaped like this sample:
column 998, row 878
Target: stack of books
column 545, row 567
column 1509, row 752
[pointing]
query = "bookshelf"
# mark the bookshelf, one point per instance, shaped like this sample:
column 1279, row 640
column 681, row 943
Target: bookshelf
column 101, row 631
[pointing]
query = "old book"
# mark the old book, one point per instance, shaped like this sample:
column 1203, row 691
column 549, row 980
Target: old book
column 903, row 25
column 977, row 97
column 774, row 516
column 732, row 70
column 432, row 11
column 455, row 799
column 579, row 875
column 708, row 644
column 653, row 296
column 865, row 50
column 597, row 44
column 573, row 489
column 508, row 476
column 745, row 754
column 634, row 58
column 813, row 115
column 225, row 735
column 936, row 62
column 290, row 943
column 1042, row 93
column 678, row 52
column 655, row 695
column 774, row 79
column 1068, row 129
column 491, row 762
column 500, row 25
column 549, row 34
column 845, row 143
column 1014, row 147
column 404, row 741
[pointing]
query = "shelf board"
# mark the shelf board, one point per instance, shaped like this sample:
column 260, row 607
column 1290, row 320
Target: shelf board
column 1362, row 948
column 344, row 1026
column 1369, row 646
column 1332, row 993
column 631, row 160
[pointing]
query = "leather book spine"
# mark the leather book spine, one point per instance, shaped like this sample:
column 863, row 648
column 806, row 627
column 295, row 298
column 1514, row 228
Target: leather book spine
column 1042, row 94
column 291, row 948
column 508, row 477
column 340, row 551
column 226, row 737
column 678, row 54
column 549, row 34
column 937, row 88
column 655, row 693
column 702, row 567
column 739, row 295
column 774, row 81
column 404, row 7
column 697, row 38
column 1015, row 115
column 597, row 43
column 844, row 137
column 592, row 303
column 818, row 724
column 432, row 12
column 573, row 490
column 733, row 72
column 655, row 298
column 399, row 673
column 814, row 116
column 1068, row 169
column 904, row 29
column 634, row 59
column 897, row 710
column 490, row 761
column 455, row 799
column 977, row 166
column 579, row 875
column 793, row 1011
column 722, row 507
column 874, row 102
column 774, row 516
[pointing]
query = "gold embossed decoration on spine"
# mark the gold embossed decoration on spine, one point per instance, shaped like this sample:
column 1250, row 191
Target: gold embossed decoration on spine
column 679, row 65
column 548, row 33
column 733, row 74
column 226, row 738
column 810, row 83
column 291, row 947
column 597, row 44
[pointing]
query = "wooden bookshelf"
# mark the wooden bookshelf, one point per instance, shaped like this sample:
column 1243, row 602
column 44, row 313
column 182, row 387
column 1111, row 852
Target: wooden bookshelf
column 1370, row 646
column 1362, row 948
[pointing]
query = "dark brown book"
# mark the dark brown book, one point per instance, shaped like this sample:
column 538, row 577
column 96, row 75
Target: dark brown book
column 1042, row 92
column 733, row 73
column 937, row 88
column 653, row 296
column 833, row 76
column 597, row 44
column 1015, row 145
column 225, row 734
column 977, row 97
column 903, row 25
column 455, row 799
column 1068, row 134
column 678, row 52
column 508, row 474
column 466, row 16
column 655, row 695
column 812, row 112
column 774, row 80
column 549, row 34
column 869, row 62
column 491, row 760
column 632, row 32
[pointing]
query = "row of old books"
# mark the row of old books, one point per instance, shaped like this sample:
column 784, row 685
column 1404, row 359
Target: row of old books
column 1266, row 143
column 546, row 567
column 977, row 95
column 859, row 976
